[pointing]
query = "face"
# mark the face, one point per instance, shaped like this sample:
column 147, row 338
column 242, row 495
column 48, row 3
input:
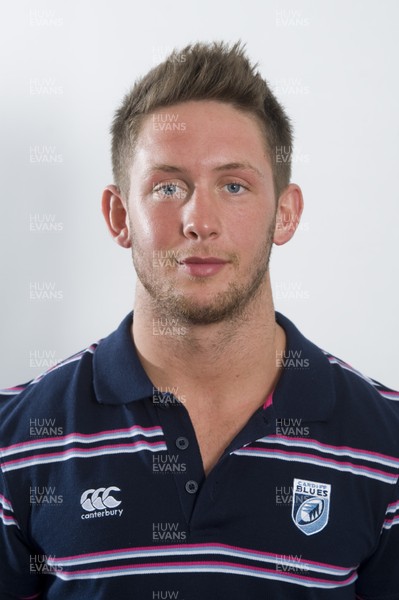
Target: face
column 201, row 211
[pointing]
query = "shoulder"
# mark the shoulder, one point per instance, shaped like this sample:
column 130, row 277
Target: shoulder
column 351, row 407
column 46, row 396
column 360, row 387
column 365, row 409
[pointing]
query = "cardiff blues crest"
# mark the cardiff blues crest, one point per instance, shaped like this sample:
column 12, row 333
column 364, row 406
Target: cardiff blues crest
column 310, row 505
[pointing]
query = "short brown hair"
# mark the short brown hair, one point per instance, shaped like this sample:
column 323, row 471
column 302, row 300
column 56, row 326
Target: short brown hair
column 203, row 72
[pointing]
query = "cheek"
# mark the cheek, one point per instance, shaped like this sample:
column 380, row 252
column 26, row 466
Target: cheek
column 153, row 227
column 249, row 229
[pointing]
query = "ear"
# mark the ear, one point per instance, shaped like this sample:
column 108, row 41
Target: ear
column 289, row 210
column 115, row 215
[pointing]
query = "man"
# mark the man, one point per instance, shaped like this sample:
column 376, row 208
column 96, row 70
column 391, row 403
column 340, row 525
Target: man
column 206, row 449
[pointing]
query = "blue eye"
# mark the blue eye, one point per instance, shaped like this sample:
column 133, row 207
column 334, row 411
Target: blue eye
column 234, row 188
column 169, row 190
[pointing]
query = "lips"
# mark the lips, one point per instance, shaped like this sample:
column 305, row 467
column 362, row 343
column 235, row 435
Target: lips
column 197, row 260
column 202, row 266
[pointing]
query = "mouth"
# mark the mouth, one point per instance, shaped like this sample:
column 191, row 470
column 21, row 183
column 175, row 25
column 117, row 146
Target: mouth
column 198, row 266
column 207, row 260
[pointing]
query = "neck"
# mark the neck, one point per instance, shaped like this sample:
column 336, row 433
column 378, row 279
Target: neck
column 220, row 360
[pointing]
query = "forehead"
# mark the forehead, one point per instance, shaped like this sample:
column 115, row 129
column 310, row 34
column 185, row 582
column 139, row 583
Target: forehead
column 203, row 133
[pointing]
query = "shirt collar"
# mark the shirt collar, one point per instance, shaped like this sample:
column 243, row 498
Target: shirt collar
column 305, row 389
column 118, row 375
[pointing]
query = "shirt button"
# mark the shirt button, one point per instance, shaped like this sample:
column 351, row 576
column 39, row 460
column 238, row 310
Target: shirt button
column 191, row 486
column 182, row 443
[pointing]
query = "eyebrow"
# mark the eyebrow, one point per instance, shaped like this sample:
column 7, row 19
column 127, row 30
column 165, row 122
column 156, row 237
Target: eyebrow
column 239, row 165
column 226, row 167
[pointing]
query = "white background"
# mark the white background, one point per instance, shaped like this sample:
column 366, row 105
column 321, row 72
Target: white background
column 65, row 67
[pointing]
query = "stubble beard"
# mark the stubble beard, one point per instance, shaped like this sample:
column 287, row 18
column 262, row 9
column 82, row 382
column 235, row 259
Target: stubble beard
column 228, row 305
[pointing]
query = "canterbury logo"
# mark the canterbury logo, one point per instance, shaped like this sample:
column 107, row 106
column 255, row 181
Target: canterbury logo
column 99, row 499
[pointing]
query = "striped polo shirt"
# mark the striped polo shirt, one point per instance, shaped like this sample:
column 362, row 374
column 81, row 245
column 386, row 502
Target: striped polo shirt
column 103, row 494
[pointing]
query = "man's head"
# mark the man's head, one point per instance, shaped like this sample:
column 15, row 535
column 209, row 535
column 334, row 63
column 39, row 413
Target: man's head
column 203, row 72
column 196, row 189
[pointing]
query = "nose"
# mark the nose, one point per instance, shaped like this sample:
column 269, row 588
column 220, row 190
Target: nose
column 201, row 220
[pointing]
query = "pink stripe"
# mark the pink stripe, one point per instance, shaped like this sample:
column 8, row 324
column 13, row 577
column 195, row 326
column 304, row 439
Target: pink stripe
column 83, row 435
column 391, row 520
column 72, row 358
column 60, row 559
column 268, row 401
column 209, row 564
column 393, row 505
column 7, row 519
column 388, row 391
column 333, row 359
column 7, row 503
column 354, row 450
column 375, row 384
column 340, row 361
column 71, row 451
column 66, row 361
column 320, row 458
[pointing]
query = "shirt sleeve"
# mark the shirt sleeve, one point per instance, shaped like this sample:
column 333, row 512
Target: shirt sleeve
column 379, row 575
column 18, row 581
